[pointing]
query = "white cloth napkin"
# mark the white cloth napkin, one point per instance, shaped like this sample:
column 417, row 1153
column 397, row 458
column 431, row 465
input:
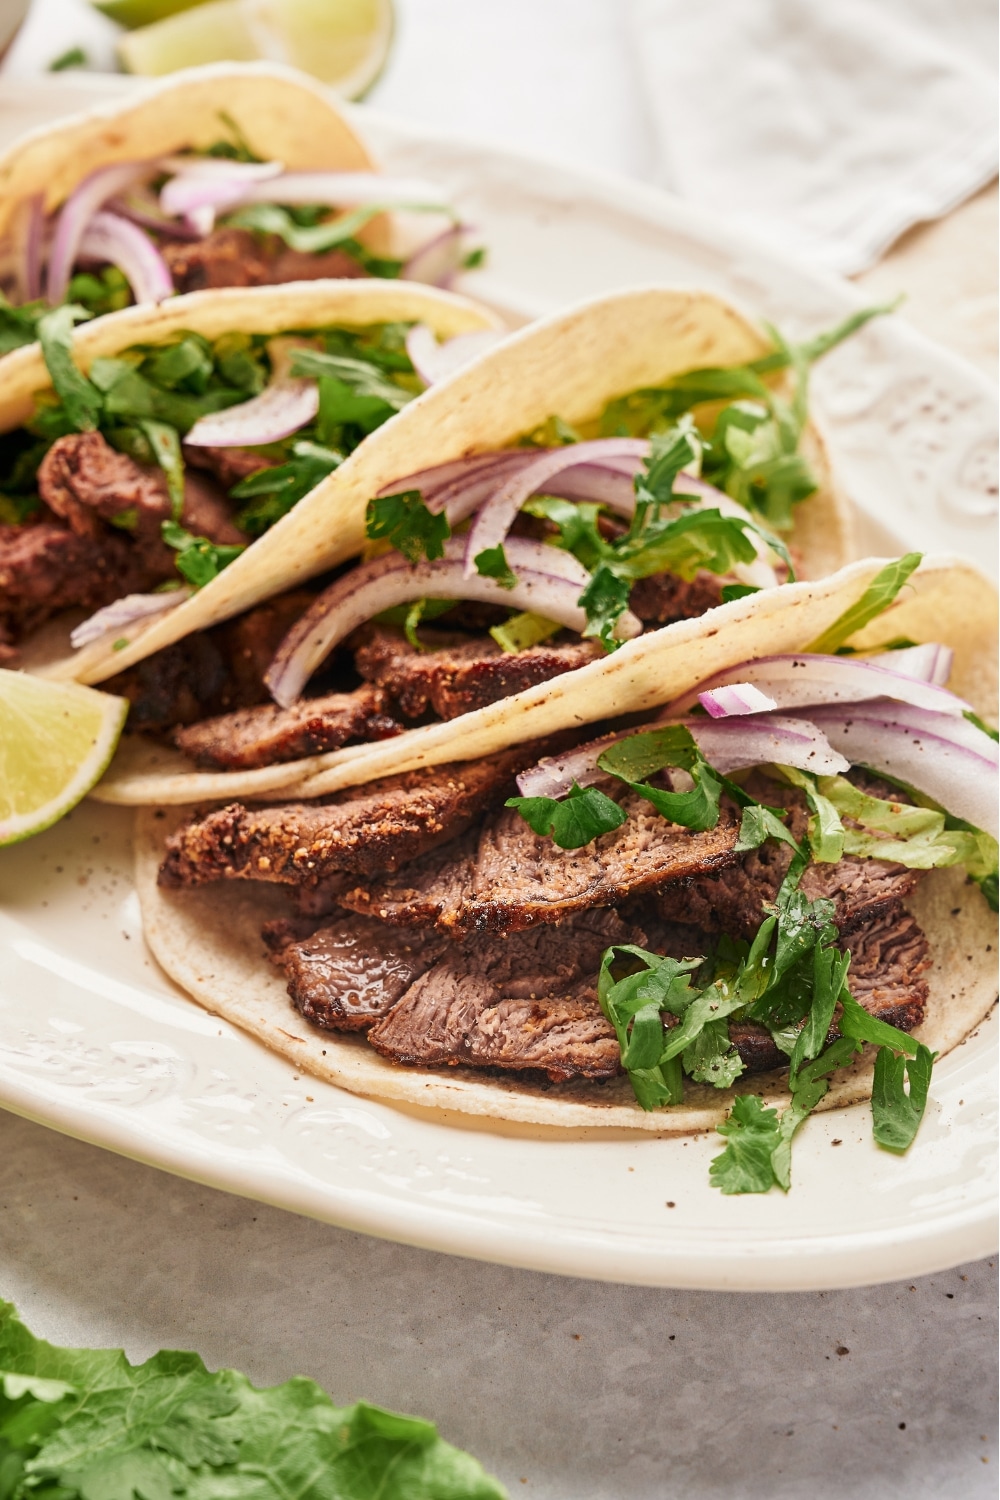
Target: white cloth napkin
column 832, row 125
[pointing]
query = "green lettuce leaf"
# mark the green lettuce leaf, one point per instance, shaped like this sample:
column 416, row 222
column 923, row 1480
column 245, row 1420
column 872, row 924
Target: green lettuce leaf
column 82, row 401
column 84, row 1424
column 877, row 597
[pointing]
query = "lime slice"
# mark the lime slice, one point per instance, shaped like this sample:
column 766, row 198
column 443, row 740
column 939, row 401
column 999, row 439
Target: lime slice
column 344, row 43
column 142, row 12
column 56, row 739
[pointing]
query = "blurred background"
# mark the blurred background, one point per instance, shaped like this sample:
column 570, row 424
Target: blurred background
column 842, row 132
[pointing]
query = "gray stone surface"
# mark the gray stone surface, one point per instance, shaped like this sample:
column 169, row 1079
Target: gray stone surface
column 568, row 1390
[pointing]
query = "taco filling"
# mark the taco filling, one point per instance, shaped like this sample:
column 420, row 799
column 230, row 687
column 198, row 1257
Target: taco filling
column 135, row 485
column 712, row 896
column 140, row 231
column 501, row 570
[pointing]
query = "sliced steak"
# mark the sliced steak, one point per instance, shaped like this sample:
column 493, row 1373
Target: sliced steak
column 732, row 900
column 46, row 567
column 664, row 597
column 366, row 829
column 267, row 734
column 238, row 257
column 516, row 878
column 91, row 485
column 527, row 1000
column 229, row 465
column 209, row 672
column 349, row 973
column 455, row 674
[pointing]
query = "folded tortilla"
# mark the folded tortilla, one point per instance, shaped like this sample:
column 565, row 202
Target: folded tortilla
column 283, row 116
column 208, row 938
column 571, row 364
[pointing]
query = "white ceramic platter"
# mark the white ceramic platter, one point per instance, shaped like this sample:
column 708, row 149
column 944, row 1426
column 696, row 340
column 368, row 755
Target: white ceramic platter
column 94, row 1041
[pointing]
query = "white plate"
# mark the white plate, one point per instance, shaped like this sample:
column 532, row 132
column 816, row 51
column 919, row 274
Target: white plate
column 94, row 1041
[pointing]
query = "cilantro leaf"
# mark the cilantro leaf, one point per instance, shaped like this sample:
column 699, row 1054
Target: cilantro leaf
column 276, row 490
column 737, row 591
column 633, row 759
column 575, row 820
column 19, row 325
column 604, row 601
column 198, row 559
column 752, row 1133
column 82, row 401
column 974, row 718
column 897, row 1114
column 358, row 375
column 876, row 598
column 405, row 522
column 492, row 563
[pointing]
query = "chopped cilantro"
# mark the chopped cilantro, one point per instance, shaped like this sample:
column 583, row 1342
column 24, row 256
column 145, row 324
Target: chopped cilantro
column 274, row 491
column 73, row 57
column 604, row 600
column 198, row 559
column 81, row 399
column 492, row 563
column 575, row 820
column 405, row 522
column 897, row 1114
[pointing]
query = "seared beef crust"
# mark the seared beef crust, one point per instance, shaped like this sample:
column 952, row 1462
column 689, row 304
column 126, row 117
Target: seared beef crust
column 267, row 735
column 237, row 257
column 366, row 829
column 456, row 675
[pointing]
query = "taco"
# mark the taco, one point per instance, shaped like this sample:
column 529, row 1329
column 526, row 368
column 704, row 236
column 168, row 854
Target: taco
column 121, row 488
column 228, row 175
column 603, row 473
column 784, row 882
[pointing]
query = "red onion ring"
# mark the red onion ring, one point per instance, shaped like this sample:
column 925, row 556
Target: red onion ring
column 740, row 698
column 130, row 610
column 811, row 679
column 144, row 209
column 282, row 408
column 434, row 362
column 545, row 585
column 77, row 212
column 123, row 244
column 496, row 517
column 437, row 262
column 930, row 662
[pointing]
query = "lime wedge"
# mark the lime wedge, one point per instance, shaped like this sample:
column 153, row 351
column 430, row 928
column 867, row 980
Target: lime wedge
column 344, row 43
column 56, row 739
column 142, row 12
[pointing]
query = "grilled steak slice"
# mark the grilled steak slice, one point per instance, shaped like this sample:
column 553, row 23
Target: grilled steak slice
column 45, row 567
column 517, row 878
column 209, row 672
column 663, row 598
column 366, row 829
column 350, row 972
column 455, row 674
column 236, row 257
column 732, row 900
column 229, row 465
column 88, row 483
column 267, row 734
column 889, row 957
column 526, row 1000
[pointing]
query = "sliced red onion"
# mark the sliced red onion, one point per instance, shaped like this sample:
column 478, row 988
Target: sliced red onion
column 930, row 662
column 738, row 698
column 133, row 609
column 438, row 261
column 77, row 212
column 812, row 678
column 945, row 757
column 220, row 168
column 143, row 208
column 434, row 362
column 123, row 244
column 542, row 587
column 284, row 407
column 496, row 517
column 728, row 746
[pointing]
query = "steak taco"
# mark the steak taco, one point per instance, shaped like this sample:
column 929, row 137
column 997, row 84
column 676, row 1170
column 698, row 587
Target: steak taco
column 634, row 462
column 779, row 890
column 125, row 490
column 230, row 175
